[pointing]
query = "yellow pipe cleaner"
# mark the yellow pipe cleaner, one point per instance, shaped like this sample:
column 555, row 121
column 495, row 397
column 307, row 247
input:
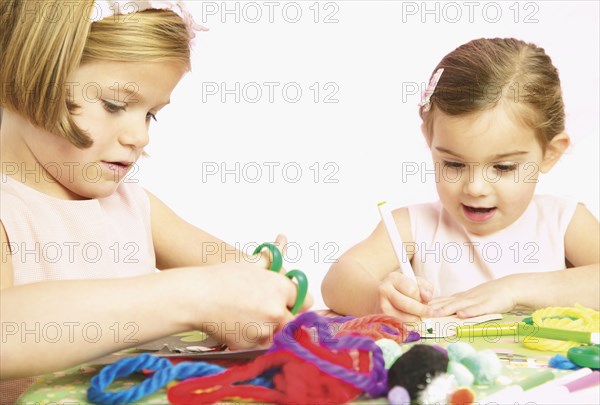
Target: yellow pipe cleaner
column 578, row 318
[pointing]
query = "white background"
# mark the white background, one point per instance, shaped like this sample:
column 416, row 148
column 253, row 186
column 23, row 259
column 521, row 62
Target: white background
column 368, row 52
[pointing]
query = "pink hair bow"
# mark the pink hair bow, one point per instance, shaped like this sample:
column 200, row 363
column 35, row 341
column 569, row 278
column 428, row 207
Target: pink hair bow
column 108, row 8
column 426, row 96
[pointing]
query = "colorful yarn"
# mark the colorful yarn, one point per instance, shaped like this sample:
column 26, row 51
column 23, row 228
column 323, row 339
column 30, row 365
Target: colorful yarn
column 373, row 384
column 333, row 371
column 374, row 326
column 572, row 318
column 164, row 372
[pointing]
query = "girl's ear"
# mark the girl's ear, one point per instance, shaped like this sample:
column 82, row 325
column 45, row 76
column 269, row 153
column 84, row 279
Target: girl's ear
column 554, row 150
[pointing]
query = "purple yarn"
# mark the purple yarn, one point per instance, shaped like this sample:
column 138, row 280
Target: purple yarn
column 375, row 383
column 340, row 319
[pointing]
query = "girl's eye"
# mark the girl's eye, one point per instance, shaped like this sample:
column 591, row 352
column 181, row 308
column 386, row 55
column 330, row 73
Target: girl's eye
column 112, row 108
column 150, row 116
column 505, row 167
column 453, row 165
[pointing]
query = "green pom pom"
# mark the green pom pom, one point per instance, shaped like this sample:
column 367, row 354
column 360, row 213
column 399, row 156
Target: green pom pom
column 484, row 365
column 459, row 350
column 464, row 377
column 391, row 351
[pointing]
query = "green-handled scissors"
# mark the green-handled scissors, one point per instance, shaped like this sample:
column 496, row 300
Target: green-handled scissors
column 276, row 265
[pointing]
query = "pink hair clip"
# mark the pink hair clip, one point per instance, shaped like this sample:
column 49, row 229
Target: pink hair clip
column 426, row 96
column 107, row 8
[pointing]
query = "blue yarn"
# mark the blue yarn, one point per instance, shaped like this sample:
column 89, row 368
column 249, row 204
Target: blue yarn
column 164, row 372
column 562, row 363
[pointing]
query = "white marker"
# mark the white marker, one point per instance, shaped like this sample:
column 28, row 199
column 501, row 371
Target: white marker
column 394, row 235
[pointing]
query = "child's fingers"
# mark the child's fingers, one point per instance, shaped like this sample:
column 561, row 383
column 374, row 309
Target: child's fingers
column 403, row 295
column 388, row 309
column 281, row 242
column 472, row 310
column 449, row 306
column 439, row 302
column 425, row 289
column 405, row 285
column 409, row 306
column 437, row 299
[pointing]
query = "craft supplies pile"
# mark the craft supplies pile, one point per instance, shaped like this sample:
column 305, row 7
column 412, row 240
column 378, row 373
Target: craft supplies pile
column 319, row 359
column 298, row 368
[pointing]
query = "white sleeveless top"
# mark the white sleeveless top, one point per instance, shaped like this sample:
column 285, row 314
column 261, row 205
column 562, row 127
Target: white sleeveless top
column 454, row 260
column 55, row 239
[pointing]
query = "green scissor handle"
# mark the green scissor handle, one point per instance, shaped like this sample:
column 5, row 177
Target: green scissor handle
column 276, row 264
column 276, row 261
column 302, row 282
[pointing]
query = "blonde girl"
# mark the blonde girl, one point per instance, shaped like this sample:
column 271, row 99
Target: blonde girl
column 81, row 84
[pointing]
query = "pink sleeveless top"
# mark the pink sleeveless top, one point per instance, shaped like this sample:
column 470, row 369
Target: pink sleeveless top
column 454, row 260
column 55, row 239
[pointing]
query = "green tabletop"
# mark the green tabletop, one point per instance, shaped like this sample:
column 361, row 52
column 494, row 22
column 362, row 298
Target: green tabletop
column 70, row 386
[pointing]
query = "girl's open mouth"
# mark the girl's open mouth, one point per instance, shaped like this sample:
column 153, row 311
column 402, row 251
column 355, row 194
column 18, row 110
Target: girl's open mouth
column 478, row 214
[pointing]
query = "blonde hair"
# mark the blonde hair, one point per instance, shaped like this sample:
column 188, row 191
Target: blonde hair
column 43, row 42
column 484, row 73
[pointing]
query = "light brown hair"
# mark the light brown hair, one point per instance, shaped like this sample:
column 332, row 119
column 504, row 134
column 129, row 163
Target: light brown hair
column 43, row 42
column 484, row 73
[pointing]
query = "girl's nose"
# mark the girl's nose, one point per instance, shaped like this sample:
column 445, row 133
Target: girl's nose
column 476, row 184
column 135, row 134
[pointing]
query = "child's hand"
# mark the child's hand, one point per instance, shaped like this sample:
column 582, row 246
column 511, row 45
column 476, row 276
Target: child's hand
column 496, row 296
column 399, row 296
column 248, row 305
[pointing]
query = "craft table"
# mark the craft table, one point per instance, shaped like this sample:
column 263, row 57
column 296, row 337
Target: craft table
column 70, row 386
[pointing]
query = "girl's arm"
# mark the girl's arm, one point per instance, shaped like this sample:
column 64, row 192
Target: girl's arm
column 178, row 243
column 364, row 281
column 52, row 325
column 579, row 284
